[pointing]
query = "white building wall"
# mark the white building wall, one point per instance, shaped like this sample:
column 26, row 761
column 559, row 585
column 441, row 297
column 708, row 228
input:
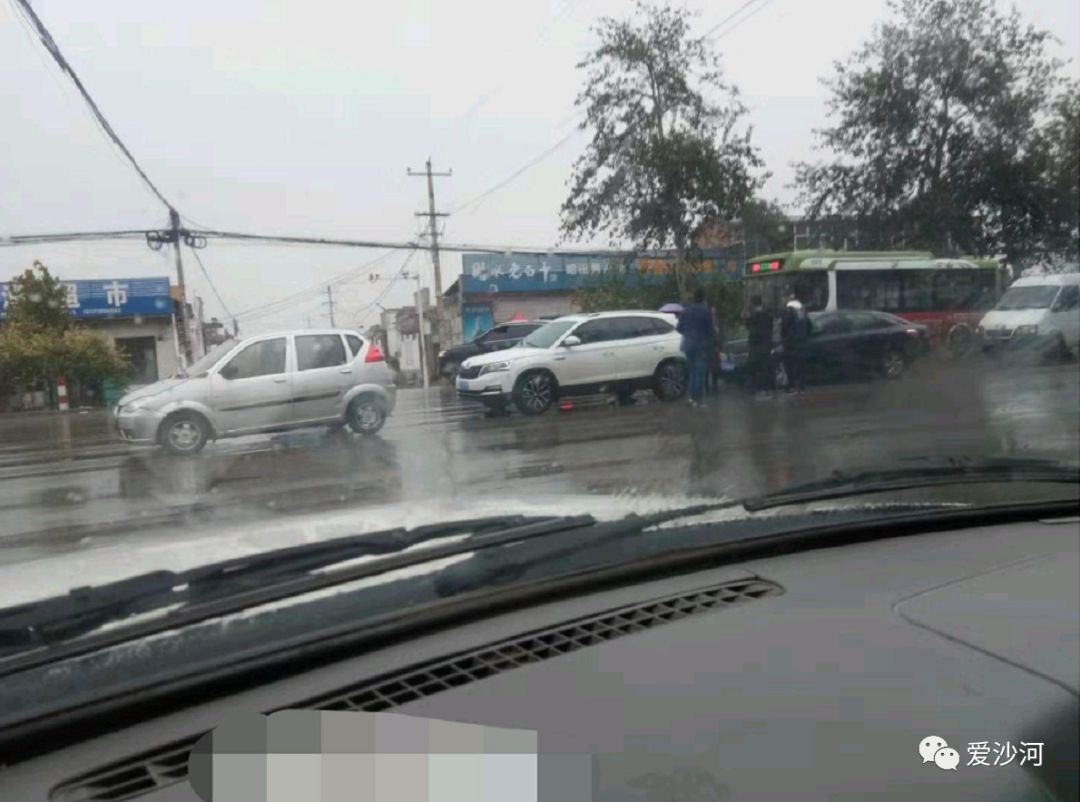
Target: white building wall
column 160, row 329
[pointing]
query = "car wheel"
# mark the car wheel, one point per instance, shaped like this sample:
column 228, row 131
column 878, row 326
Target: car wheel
column 450, row 371
column 671, row 380
column 893, row 365
column 184, row 434
column 534, row 392
column 366, row 415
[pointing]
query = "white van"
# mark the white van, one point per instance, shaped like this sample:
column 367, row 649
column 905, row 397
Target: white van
column 1039, row 314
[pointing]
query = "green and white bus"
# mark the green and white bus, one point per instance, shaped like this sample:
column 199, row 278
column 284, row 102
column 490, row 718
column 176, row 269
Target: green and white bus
column 949, row 296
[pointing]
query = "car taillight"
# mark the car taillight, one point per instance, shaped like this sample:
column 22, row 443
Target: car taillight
column 374, row 354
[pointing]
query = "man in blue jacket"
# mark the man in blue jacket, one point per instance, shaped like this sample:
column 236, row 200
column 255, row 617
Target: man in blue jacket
column 696, row 328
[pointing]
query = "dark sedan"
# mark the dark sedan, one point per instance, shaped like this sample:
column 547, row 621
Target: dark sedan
column 843, row 345
column 497, row 338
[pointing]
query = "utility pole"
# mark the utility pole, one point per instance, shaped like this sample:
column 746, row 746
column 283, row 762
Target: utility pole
column 185, row 333
column 432, row 216
column 329, row 303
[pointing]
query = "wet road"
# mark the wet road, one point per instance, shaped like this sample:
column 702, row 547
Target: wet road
column 64, row 477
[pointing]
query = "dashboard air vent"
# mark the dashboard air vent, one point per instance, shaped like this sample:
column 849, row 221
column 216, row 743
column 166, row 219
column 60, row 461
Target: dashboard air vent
column 149, row 771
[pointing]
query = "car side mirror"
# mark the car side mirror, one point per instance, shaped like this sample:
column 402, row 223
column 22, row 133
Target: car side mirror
column 571, row 341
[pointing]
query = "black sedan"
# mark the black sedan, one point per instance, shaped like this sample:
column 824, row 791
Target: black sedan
column 844, row 345
column 505, row 335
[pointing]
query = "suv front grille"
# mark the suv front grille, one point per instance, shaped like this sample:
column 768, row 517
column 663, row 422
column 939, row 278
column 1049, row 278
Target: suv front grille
column 469, row 373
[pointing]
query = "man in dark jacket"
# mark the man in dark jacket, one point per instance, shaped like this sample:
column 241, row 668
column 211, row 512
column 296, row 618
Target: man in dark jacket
column 696, row 328
column 794, row 332
column 759, row 325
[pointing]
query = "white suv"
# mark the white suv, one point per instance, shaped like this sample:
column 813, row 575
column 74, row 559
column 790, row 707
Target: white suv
column 578, row 354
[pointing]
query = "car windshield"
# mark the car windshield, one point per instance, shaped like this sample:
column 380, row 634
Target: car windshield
column 211, row 358
column 776, row 230
column 548, row 334
column 1036, row 297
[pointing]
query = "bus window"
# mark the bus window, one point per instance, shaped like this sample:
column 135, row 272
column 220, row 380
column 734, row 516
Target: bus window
column 870, row 289
column 964, row 290
column 918, row 290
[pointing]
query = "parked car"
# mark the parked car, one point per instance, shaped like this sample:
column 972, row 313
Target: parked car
column 846, row 344
column 497, row 338
column 578, row 354
column 269, row 383
column 1037, row 315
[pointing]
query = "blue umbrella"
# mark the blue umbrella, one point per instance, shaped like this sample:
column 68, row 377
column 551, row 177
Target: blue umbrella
column 672, row 308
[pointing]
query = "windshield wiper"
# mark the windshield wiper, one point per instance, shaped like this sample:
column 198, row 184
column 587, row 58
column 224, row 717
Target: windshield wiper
column 59, row 619
column 926, row 473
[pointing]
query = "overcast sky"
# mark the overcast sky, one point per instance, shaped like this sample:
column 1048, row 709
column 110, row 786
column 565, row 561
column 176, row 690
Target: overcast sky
column 298, row 117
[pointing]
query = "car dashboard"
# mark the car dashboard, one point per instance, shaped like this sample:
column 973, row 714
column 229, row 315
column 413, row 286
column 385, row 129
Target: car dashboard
column 807, row 676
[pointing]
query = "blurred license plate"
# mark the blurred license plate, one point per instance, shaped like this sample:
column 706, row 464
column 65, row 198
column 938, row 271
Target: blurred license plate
column 462, row 384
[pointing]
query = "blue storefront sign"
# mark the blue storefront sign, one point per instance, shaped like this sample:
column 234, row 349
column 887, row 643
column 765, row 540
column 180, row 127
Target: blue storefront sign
column 113, row 297
column 489, row 273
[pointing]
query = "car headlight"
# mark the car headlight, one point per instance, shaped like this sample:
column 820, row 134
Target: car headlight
column 442, row 354
column 1027, row 330
column 495, row 367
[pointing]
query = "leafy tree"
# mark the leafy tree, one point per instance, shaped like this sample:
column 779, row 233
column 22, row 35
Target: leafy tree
column 668, row 153
column 935, row 132
column 39, row 340
column 37, row 298
column 622, row 289
column 766, row 227
column 1063, row 166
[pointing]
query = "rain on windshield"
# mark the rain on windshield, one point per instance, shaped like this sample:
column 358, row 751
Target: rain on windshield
column 352, row 195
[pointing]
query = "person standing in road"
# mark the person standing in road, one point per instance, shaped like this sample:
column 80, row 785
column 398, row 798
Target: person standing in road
column 696, row 328
column 794, row 332
column 759, row 326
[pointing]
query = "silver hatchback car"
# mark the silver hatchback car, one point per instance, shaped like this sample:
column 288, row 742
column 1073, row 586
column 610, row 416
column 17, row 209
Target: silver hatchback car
column 268, row 383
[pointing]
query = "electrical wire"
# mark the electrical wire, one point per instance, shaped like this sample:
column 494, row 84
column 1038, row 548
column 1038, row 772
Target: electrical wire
column 740, row 22
column 313, row 290
column 517, row 173
column 728, row 18
column 386, row 290
column 54, row 50
column 82, row 236
column 210, row 281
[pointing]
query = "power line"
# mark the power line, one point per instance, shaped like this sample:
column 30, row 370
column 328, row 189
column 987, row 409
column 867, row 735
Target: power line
column 313, row 290
column 740, row 22
column 54, row 50
column 158, row 236
column 210, row 281
column 728, row 18
column 517, row 173
column 389, row 285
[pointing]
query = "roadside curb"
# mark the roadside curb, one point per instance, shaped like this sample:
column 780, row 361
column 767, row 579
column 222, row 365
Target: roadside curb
column 45, row 413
